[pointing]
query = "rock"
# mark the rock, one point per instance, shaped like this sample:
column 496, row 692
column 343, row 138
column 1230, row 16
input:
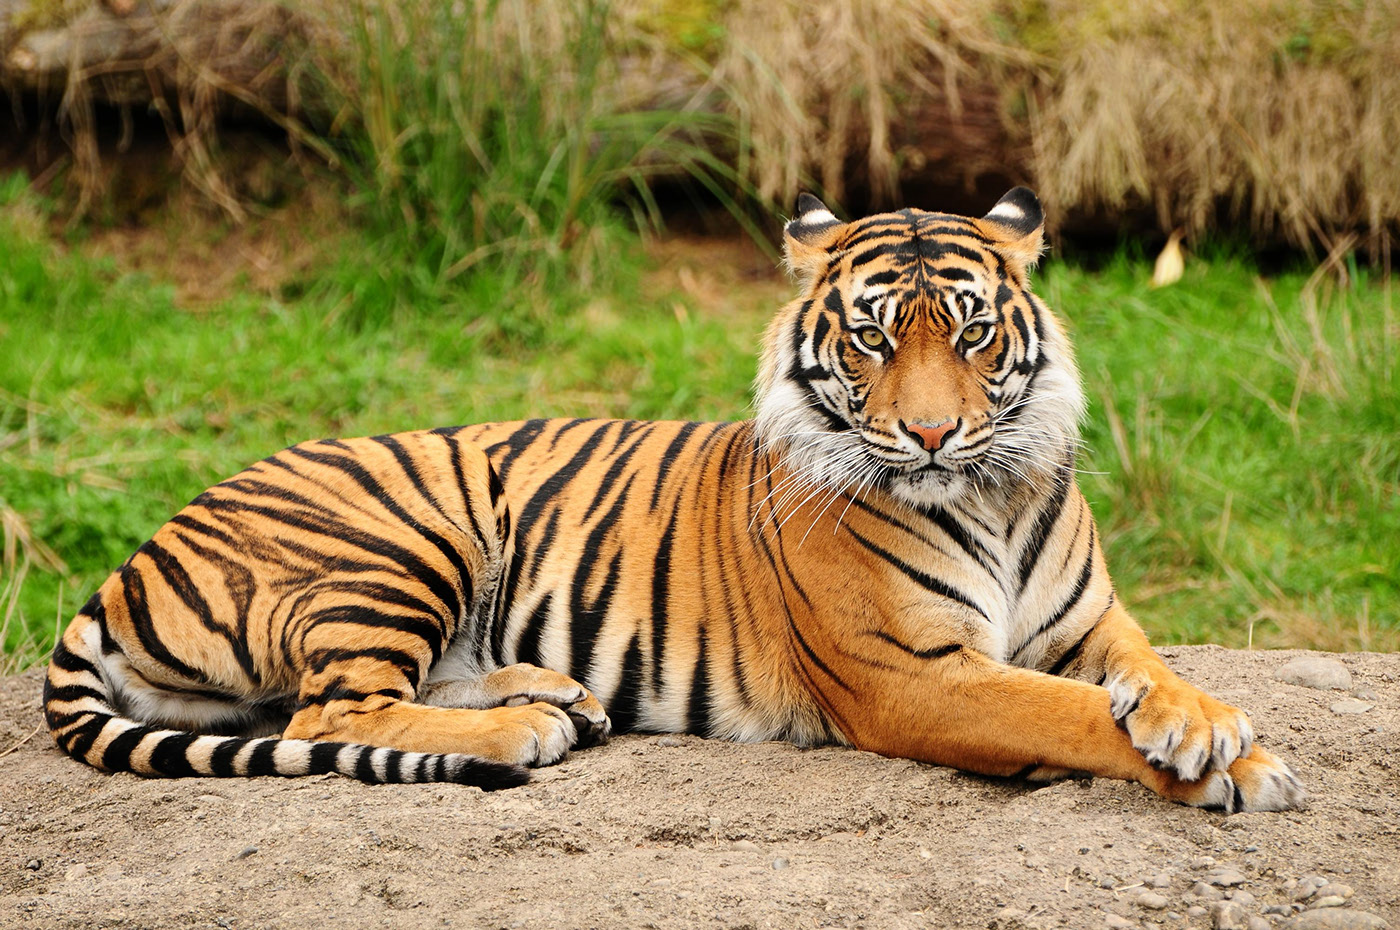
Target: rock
column 1200, row 863
column 1114, row 922
column 246, row 852
column 75, row 871
column 1203, row 892
column 779, row 864
column 1333, row 919
column 1152, row 901
column 660, row 883
column 1256, row 922
column 34, row 865
column 1350, row 706
column 1242, row 898
column 1159, row 881
column 1227, row 915
column 1282, row 910
column 1307, row 887
column 1315, row 672
column 1196, row 910
column 1328, row 900
column 744, row 846
column 1226, row 878
column 1335, row 888
column 1172, row 915
column 1365, row 694
column 669, row 742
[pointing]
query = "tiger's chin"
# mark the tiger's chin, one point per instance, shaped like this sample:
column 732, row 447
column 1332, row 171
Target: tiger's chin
column 933, row 488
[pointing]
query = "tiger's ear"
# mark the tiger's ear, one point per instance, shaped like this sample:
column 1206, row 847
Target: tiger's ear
column 1016, row 227
column 810, row 235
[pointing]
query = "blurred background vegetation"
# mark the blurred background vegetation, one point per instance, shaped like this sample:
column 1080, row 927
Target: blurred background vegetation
column 229, row 225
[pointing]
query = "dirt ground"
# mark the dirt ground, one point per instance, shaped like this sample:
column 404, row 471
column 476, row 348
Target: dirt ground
column 655, row 831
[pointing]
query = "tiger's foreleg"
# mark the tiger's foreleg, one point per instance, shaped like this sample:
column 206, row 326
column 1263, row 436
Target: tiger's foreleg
column 1175, row 725
column 964, row 710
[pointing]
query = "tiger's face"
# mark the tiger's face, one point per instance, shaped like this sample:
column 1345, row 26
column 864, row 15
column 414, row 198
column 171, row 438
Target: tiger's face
column 917, row 358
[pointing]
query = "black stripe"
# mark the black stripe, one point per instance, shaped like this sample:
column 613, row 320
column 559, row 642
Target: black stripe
column 697, row 717
column 174, row 574
column 69, row 661
column 622, row 706
column 323, row 758
column 260, row 760
column 660, row 597
column 134, row 591
column 171, row 755
column 364, row 769
column 1045, row 522
column 513, row 445
column 937, row 652
column 527, row 649
column 221, row 759
column 922, row 578
column 669, row 457
column 117, row 756
column 1080, row 585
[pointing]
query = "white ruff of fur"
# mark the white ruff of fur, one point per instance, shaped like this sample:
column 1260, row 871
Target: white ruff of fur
column 1036, row 428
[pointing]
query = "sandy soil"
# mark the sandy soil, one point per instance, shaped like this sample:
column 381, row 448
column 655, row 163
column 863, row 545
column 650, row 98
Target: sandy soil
column 678, row 831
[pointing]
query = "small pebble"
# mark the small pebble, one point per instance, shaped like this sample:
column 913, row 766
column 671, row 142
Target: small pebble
column 246, row 852
column 1227, row 915
column 1329, row 900
column 1334, row 919
column 779, row 864
column 744, row 846
column 1315, row 672
column 34, row 865
column 669, row 742
column 1152, row 901
column 1350, row 706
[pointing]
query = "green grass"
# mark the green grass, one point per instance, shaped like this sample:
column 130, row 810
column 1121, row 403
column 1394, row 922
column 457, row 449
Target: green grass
column 1232, row 489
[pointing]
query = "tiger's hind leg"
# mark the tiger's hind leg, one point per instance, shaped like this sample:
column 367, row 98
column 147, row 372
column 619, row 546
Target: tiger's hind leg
column 522, row 684
column 366, row 694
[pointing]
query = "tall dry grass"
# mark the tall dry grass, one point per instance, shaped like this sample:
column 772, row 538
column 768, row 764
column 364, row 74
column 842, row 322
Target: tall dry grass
column 1280, row 114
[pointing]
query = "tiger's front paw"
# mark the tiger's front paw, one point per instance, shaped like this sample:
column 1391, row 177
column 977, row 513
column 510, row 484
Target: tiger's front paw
column 1176, row 727
column 1260, row 781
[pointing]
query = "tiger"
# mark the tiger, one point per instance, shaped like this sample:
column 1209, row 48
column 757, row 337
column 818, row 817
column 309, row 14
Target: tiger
column 891, row 554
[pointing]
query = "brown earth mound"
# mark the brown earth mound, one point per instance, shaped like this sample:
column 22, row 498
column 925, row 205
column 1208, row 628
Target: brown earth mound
column 655, row 831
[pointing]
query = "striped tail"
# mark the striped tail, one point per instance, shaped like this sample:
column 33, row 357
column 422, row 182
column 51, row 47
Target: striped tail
column 84, row 723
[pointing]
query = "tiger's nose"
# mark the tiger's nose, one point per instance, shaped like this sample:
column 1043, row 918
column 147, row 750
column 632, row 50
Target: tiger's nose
column 931, row 436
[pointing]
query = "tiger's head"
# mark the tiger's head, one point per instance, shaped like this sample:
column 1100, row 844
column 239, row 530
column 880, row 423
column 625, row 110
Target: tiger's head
column 917, row 358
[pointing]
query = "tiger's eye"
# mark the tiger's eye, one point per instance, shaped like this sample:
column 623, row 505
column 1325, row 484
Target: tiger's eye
column 871, row 337
column 974, row 333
